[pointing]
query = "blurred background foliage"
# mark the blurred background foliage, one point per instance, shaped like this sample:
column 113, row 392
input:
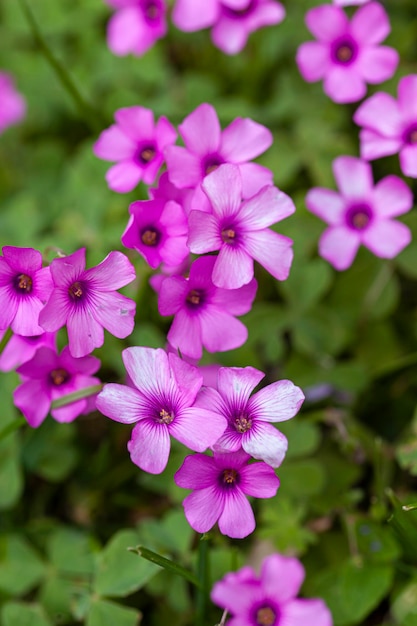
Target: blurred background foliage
column 71, row 502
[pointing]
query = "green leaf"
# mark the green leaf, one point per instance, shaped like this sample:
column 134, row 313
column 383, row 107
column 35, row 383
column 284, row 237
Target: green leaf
column 376, row 544
column 21, row 569
column 306, row 284
column 120, row 572
column 303, row 437
column 104, row 613
column 404, row 525
column 49, row 451
column 19, row 614
column 404, row 607
column 71, row 552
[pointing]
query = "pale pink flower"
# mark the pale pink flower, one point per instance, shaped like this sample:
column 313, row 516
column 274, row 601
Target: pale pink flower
column 136, row 25
column 12, row 104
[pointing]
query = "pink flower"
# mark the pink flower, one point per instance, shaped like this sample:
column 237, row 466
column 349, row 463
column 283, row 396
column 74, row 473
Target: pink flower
column 221, row 484
column 269, row 599
column 158, row 231
column 136, row 144
column 49, row 376
column 240, row 230
column 361, row 213
column 136, row 25
column 232, row 20
column 207, row 147
column 347, row 54
column 204, row 313
column 250, row 418
column 20, row 349
column 12, row 104
column 87, row 300
column 347, row 3
column 162, row 405
column 390, row 125
column 25, row 286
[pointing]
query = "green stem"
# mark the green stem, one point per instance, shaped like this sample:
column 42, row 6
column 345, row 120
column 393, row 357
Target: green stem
column 204, row 578
column 10, row 428
column 167, row 564
column 77, row 395
column 5, row 340
column 91, row 116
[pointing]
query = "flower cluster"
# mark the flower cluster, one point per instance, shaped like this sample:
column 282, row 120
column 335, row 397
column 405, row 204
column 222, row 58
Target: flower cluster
column 138, row 24
column 271, row 598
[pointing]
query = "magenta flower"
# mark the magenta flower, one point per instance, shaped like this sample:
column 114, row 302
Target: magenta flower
column 347, row 3
column 87, row 300
column 221, row 484
column 20, row 349
column 162, row 405
column 270, row 599
column 25, row 286
column 240, row 230
column 167, row 191
column 158, row 231
column 390, row 126
column 361, row 213
column 207, row 147
column 347, row 54
column 232, row 20
column 204, row 313
column 12, row 104
column 136, row 144
column 49, row 376
column 136, row 25
column 250, row 418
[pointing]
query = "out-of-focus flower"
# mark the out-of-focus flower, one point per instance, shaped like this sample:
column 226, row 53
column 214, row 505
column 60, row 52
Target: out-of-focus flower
column 136, row 25
column 347, row 54
column 136, row 144
column 204, row 314
column 20, row 349
column 347, row 3
column 12, row 104
column 240, row 230
column 207, row 147
column 221, row 484
column 360, row 213
column 49, row 376
column 158, row 230
column 232, row 21
column 87, row 300
column 161, row 402
column 271, row 598
column 250, row 418
column 25, row 286
column 390, row 125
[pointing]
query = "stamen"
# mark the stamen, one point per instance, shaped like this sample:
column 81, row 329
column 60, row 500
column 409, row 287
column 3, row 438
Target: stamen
column 360, row 220
column 211, row 168
column 194, row 297
column 228, row 235
column 59, row 376
column 75, row 290
column 150, row 237
column 265, row 616
column 147, row 154
column 243, row 423
column 165, row 417
column 23, row 282
column 344, row 53
column 151, row 10
column 229, row 476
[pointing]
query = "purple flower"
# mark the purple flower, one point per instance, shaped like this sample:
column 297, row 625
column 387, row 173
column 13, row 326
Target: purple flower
column 221, row 484
column 49, row 376
column 20, row 349
column 136, row 144
column 12, row 104
column 25, row 286
column 250, row 418
column 390, row 126
column 207, row 147
column 162, row 405
column 204, row 313
column 158, row 231
column 347, row 54
column 240, row 230
column 136, row 25
column 87, row 300
column 361, row 213
column 232, row 20
column 347, row 3
column 270, row 599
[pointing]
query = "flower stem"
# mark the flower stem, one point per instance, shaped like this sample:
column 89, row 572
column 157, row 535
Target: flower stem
column 203, row 573
column 77, row 395
column 90, row 115
column 5, row 340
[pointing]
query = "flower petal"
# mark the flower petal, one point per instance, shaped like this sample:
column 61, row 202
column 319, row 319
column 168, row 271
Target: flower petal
column 339, row 246
column 197, row 428
column 344, row 84
column 114, row 272
column 386, row 238
column 198, row 471
column 370, row 24
column 55, row 313
column 244, row 140
column 224, row 190
column 204, row 233
column 34, row 412
column 149, row 446
column 303, row 611
column 327, row 22
column 233, row 268
column 236, row 384
column 190, row 16
column 220, row 331
column 326, row 204
column 392, row 197
column 408, row 161
column 313, row 60
column 407, row 96
column 201, row 129
column 84, row 332
column 259, row 480
column 124, row 176
column 120, row 402
column 136, row 122
column 282, row 577
column 114, row 145
column 115, row 313
column 185, row 334
column 377, row 64
column 380, row 113
column 148, row 369
column 374, row 145
column 271, row 250
column 184, row 167
column 353, row 176
column 203, row 508
column 125, row 31
column 237, row 519
column 276, row 402
column 264, row 442
column 236, row 301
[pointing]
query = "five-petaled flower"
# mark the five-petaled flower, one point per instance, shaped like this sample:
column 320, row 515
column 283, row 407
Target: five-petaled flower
column 136, row 25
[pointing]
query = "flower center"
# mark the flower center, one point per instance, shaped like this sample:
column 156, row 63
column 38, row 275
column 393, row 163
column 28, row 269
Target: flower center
column 146, row 154
column 59, row 376
column 265, row 616
column 210, row 164
column 23, row 283
column 229, row 477
column 243, row 423
column 151, row 10
column 194, row 298
column 228, row 235
column 150, row 237
column 165, row 417
column 410, row 135
column 359, row 217
column 76, row 290
column 344, row 51
column 236, row 13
